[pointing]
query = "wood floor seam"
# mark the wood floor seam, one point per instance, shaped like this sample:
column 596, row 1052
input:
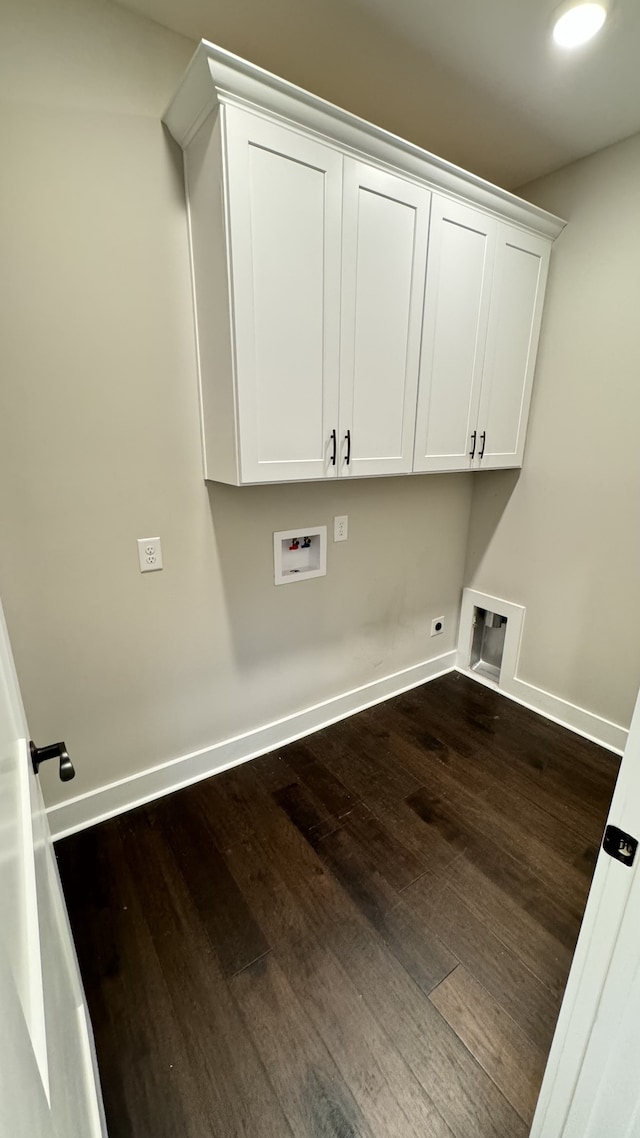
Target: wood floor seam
column 440, row 982
column 486, row 1069
column 250, row 964
column 486, row 920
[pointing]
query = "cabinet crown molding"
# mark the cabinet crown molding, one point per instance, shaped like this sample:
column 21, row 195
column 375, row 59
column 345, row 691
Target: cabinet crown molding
column 216, row 77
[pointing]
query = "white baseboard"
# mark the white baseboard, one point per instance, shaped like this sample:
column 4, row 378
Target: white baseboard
column 578, row 719
column 582, row 722
column 117, row 797
column 554, row 707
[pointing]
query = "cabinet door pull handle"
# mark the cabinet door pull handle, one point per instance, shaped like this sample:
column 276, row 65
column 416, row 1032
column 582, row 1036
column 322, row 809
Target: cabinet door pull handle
column 472, row 452
column 334, row 443
column 483, row 439
column 348, row 455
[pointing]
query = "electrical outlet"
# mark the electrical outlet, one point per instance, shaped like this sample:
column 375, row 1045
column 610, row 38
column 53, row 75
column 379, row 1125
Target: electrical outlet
column 437, row 626
column 149, row 554
column 341, row 528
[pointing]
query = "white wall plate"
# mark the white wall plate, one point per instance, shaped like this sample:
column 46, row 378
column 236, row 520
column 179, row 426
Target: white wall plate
column 299, row 554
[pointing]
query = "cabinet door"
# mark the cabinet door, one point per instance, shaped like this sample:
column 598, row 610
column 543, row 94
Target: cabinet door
column 284, row 209
column 517, row 296
column 385, row 228
column 456, row 313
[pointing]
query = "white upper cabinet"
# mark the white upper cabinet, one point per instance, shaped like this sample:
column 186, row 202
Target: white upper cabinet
column 362, row 307
column 284, row 205
column 483, row 308
column 517, row 296
column 456, row 314
column 384, row 251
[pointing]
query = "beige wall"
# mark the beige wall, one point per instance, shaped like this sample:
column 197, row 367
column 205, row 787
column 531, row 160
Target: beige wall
column 563, row 538
column 361, row 59
column 99, row 443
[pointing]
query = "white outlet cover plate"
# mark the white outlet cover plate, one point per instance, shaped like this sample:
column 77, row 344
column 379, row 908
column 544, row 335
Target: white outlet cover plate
column 435, row 631
column 149, row 554
column 341, row 528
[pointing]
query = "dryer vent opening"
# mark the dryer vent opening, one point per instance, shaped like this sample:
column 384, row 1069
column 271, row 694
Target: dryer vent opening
column 487, row 645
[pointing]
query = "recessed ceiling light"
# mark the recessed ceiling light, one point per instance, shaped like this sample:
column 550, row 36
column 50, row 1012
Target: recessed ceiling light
column 578, row 24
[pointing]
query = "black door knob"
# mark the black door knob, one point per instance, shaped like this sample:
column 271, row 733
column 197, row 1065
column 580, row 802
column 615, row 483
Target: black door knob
column 53, row 751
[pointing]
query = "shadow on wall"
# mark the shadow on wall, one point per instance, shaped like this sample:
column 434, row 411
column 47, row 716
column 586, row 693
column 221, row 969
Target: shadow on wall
column 266, row 622
column 491, row 493
column 403, row 561
column 175, row 167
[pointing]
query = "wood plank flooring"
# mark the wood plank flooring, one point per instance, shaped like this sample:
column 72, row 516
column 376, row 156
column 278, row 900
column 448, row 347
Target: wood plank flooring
column 364, row 935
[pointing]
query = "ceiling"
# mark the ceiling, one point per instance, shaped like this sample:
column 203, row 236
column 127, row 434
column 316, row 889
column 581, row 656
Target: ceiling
column 478, row 81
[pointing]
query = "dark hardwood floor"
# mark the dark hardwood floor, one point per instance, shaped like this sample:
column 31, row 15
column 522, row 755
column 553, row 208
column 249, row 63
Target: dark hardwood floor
column 367, row 933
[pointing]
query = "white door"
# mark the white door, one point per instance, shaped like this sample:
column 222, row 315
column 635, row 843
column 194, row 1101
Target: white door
column 48, row 1076
column 384, row 252
column 456, row 314
column 591, row 1086
column 285, row 206
column 517, row 297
